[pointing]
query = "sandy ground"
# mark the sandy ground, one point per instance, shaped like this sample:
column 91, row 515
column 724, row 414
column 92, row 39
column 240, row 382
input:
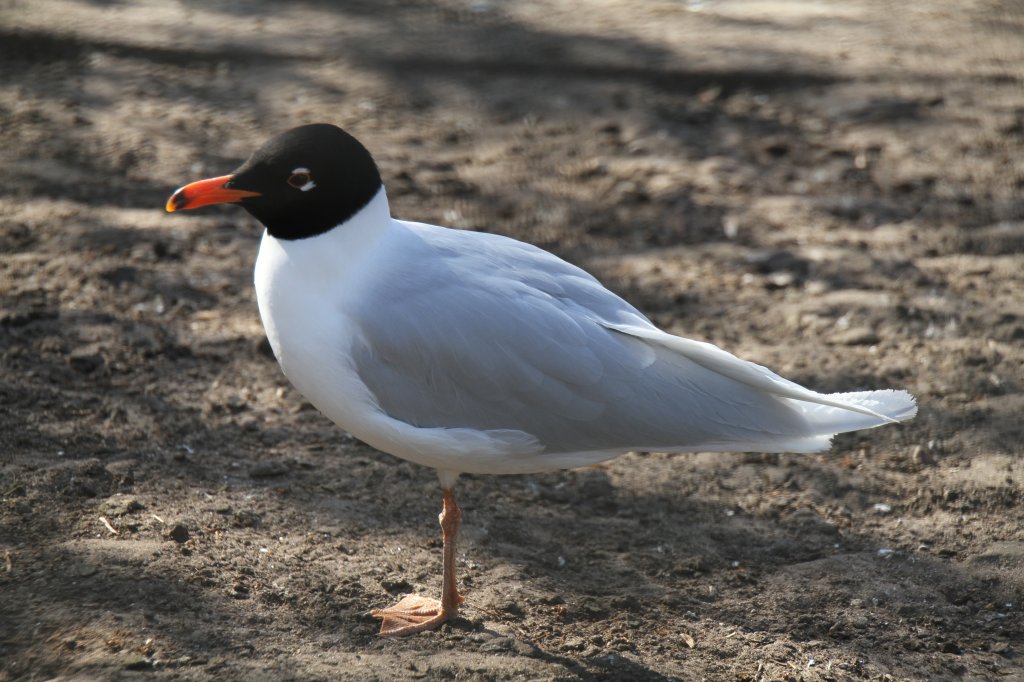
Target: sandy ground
column 833, row 190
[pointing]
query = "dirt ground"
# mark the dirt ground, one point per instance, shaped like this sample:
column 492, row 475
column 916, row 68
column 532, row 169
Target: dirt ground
column 833, row 190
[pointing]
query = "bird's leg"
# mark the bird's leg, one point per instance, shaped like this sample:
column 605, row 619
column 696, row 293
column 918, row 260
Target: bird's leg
column 450, row 519
column 414, row 614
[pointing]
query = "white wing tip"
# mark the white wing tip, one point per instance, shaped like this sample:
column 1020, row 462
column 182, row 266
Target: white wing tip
column 893, row 405
column 889, row 405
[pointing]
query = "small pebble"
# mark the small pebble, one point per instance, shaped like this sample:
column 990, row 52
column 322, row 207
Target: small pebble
column 920, row 456
column 86, row 359
column 179, row 533
column 247, row 519
column 120, row 504
column 856, row 336
column 136, row 662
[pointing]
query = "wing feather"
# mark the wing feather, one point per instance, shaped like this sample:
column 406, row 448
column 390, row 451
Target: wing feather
column 476, row 331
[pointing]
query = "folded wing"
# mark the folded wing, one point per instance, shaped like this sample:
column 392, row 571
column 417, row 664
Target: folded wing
column 509, row 337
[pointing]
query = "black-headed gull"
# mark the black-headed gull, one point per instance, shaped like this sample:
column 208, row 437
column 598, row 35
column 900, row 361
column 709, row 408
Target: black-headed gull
column 471, row 352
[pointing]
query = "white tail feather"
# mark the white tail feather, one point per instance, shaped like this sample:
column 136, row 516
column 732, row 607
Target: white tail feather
column 826, row 414
column 894, row 406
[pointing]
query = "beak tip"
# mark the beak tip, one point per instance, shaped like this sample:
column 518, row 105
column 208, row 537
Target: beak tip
column 177, row 201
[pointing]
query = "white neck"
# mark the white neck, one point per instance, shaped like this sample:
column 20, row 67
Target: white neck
column 353, row 237
column 298, row 280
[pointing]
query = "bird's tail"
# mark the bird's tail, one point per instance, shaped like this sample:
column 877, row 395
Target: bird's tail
column 881, row 407
column 839, row 413
column 823, row 414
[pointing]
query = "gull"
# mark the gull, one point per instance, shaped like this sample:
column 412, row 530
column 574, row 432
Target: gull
column 470, row 352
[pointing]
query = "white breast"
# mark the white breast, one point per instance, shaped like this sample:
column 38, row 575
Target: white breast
column 304, row 289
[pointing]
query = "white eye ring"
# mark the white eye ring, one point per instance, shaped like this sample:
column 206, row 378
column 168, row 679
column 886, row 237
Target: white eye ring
column 300, row 172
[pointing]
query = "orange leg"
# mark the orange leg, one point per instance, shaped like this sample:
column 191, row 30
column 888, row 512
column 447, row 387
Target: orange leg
column 414, row 614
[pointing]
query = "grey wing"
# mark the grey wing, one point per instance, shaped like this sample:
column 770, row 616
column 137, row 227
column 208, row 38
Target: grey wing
column 521, row 340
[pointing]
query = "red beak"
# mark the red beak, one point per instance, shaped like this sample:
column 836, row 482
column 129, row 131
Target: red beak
column 206, row 192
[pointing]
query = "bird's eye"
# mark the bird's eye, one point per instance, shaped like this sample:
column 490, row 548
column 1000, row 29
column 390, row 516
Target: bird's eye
column 301, row 179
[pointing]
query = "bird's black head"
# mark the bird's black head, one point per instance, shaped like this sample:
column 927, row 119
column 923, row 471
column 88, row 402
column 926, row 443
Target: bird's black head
column 299, row 184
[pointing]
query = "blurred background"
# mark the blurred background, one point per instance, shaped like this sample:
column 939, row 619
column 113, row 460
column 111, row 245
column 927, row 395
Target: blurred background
column 830, row 189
